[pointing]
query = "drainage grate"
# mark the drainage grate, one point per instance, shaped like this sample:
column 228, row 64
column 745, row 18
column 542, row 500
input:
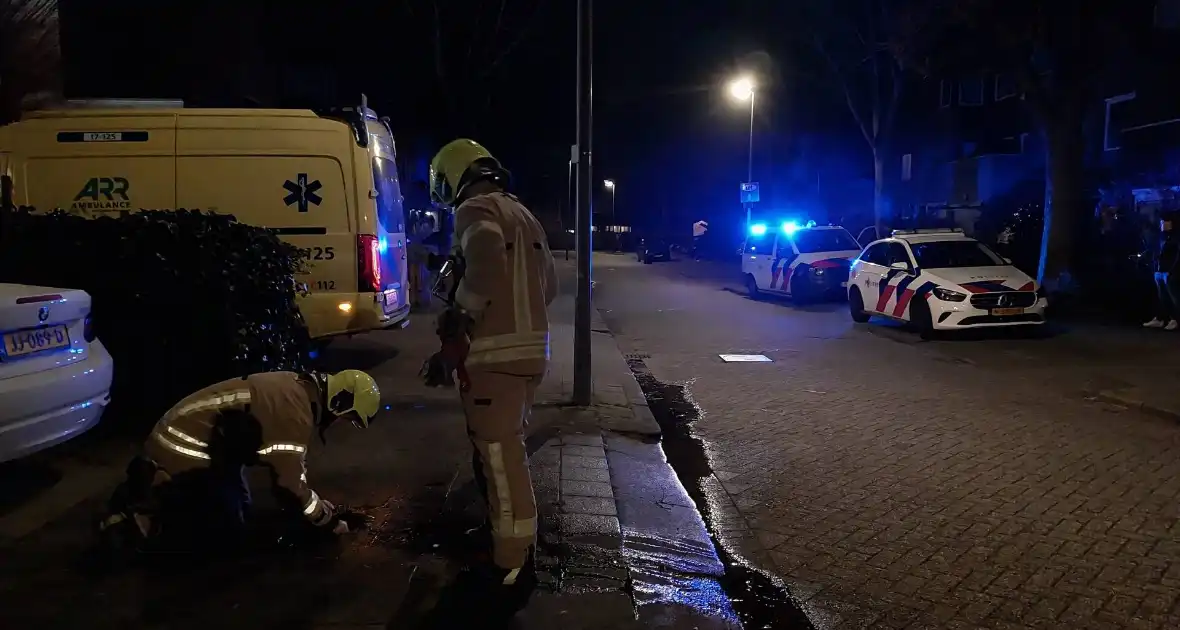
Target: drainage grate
column 637, row 356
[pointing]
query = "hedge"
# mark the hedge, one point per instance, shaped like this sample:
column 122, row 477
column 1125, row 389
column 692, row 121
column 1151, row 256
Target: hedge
column 181, row 299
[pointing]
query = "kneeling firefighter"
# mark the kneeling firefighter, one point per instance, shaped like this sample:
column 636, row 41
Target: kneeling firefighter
column 495, row 334
column 189, row 483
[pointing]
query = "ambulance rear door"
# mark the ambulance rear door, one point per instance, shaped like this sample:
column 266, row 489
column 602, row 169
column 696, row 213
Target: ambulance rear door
column 301, row 195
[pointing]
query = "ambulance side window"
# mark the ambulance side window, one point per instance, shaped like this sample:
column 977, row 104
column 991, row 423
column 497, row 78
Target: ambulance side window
column 389, row 195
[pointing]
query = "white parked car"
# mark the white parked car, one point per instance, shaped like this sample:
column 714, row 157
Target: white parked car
column 940, row 279
column 55, row 376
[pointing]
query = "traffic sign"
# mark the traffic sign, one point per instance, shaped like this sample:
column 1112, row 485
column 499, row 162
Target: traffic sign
column 749, row 192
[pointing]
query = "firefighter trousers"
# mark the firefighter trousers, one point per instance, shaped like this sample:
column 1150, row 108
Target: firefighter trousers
column 497, row 408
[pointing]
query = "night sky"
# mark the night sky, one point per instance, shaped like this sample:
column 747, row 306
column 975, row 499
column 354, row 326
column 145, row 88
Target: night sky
column 665, row 128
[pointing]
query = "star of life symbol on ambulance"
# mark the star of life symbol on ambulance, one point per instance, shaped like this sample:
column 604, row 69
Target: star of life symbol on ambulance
column 302, row 192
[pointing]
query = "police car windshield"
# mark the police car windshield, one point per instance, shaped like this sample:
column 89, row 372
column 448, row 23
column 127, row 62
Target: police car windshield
column 811, row 241
column 957, row 253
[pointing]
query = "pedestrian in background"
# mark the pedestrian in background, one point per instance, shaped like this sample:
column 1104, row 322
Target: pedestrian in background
column 1165, row 279
column 419, row 258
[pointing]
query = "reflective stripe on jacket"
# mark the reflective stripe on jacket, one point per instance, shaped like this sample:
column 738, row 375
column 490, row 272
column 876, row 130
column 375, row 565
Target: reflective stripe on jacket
column 284, row 406
column 509, row 282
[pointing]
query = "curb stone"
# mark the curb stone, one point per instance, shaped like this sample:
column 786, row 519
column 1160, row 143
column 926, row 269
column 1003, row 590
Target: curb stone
column 580, row 531
column 642, row 421
column 1130, row 400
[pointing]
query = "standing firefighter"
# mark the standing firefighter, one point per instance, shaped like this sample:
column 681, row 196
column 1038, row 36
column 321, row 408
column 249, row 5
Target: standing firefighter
column 189, row 484
column 498, row 320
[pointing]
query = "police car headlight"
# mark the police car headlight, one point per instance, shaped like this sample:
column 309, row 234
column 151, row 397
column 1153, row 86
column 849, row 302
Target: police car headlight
column 946, row 295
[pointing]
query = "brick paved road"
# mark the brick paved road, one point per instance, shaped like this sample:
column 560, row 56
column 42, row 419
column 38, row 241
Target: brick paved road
column 897, row 484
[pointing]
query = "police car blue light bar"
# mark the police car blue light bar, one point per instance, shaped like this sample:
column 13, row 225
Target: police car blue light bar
column 928, row 231
column 758, row 229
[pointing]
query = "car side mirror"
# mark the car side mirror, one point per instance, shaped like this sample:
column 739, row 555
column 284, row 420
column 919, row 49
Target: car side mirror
column 903, row 266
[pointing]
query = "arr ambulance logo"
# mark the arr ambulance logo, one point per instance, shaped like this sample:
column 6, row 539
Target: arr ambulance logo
column 103, row 194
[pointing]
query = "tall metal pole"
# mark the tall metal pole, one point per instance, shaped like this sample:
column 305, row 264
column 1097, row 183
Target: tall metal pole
column 583, row 378
column 750, row 159
column 570, row 195
column 614, row 190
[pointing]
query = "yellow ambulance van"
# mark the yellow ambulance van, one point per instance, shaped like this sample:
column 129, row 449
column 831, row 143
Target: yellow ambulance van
column 326, row 183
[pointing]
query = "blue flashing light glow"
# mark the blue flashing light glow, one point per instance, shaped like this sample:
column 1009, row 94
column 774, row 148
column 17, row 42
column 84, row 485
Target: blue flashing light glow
column 790, row 227
column 758, row 229
column 382, row 245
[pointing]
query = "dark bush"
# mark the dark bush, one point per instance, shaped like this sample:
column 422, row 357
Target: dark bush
column 182, row 299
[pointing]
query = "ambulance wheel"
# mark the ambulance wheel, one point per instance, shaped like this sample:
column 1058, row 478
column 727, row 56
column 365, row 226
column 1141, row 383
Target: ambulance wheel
column 920, row 319
column 752, row 287
column 856, row 306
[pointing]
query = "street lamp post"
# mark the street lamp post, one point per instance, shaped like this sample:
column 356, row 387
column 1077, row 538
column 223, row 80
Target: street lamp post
column 743, row 89
column 610, row 185
column 583, row 375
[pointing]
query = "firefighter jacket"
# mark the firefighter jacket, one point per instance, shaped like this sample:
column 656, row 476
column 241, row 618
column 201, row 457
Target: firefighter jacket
column 264, row 419
column 509, row 282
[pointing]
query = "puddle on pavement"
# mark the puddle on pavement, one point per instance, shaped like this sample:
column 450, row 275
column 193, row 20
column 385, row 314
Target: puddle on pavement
column 758, row 599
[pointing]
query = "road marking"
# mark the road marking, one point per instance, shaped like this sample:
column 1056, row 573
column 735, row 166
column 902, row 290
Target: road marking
column 745, row 358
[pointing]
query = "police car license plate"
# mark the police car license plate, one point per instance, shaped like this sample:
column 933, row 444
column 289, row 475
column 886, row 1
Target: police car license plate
column 391, row 297
column 33, row 340
column 1001, row 312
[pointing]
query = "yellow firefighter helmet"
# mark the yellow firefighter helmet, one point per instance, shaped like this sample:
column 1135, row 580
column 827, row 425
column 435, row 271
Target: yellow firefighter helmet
column 459, row 164
column 353, row 391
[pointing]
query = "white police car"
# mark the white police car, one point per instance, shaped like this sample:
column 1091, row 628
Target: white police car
column 804, row 262
column 941, row 280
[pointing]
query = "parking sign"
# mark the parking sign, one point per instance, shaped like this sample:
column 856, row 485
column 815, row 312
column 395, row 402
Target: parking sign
column 750, row 192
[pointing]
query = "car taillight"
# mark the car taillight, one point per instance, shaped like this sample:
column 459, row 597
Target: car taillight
column 88, row 329
column 368, row 254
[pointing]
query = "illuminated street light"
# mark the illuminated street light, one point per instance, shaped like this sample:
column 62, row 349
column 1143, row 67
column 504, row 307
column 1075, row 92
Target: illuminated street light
column 609, row 183
column 742, row 89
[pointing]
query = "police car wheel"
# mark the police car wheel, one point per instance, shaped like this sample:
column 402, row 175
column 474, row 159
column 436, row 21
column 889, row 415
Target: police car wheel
column 856, row 307
column 801, row 290
column 752, row 287
column 920, row 318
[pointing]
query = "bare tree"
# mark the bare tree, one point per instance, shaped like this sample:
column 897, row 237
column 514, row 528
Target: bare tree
column 1061, row 54
column 855, row 40
column 30, row 54
column 471, row 41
